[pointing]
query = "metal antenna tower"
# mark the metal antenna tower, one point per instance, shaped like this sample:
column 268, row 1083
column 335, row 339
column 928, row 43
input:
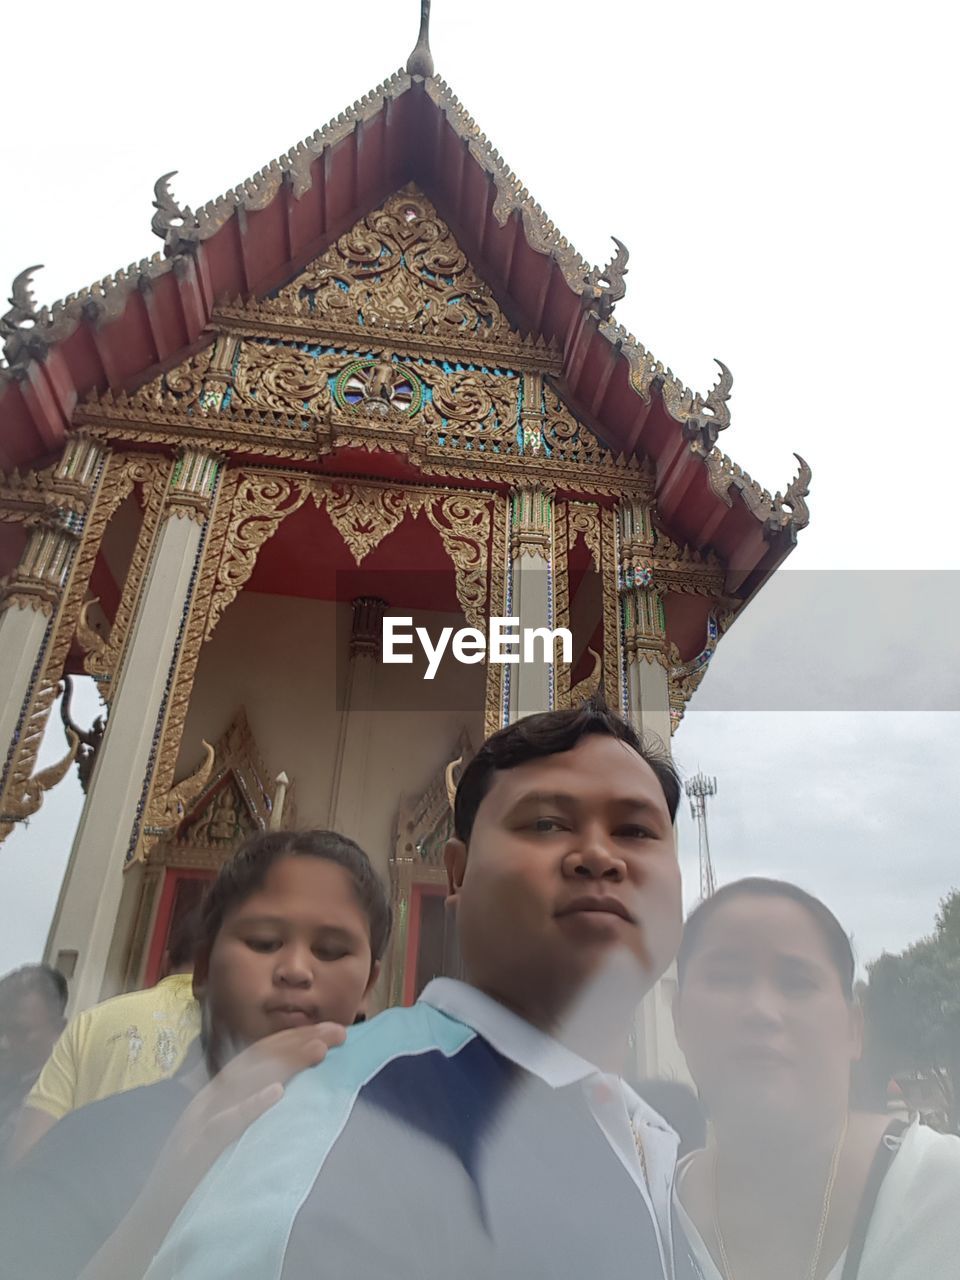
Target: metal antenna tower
column 698, row 789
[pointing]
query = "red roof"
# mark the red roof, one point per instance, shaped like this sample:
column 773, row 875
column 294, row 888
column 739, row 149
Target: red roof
column 256, row 238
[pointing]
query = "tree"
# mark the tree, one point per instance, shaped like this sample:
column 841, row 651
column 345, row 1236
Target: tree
column 912, row 1006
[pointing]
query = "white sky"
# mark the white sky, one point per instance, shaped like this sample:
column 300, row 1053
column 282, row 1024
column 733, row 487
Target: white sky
column 785, row 178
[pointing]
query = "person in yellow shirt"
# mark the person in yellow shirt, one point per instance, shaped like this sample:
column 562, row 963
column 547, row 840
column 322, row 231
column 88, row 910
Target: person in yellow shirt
column 131, row 1040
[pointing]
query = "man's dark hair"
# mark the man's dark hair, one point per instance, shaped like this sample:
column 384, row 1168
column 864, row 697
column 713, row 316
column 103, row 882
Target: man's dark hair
column 832, row 931
column 244, row 873
column 549, row 733
column 47, row 982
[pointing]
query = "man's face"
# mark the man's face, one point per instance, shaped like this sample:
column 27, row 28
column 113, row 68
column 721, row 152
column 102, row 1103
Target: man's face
column 571, row 858
column 296, row 951
column 28, row 1033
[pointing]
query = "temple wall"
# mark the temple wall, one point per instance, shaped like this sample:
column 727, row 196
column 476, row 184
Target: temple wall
column 285, row 660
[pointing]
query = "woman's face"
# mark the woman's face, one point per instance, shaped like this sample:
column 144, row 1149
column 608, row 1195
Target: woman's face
column 762, row 1017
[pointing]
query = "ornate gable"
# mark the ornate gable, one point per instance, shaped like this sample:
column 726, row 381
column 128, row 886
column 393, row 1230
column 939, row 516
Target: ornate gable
column 230, row 797
column 389, row 341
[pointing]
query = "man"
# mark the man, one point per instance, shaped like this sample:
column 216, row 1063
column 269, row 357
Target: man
column 486, row 1131
column 32, row 1001
column 126, row 1042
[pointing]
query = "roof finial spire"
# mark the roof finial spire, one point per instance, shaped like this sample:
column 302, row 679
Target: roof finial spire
column 420, row 62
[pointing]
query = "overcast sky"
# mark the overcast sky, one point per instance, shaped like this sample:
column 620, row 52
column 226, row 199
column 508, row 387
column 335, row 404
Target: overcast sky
column 784, row 177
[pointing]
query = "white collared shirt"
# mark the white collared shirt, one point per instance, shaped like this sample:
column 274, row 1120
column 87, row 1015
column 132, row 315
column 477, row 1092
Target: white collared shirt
column 614, row 1105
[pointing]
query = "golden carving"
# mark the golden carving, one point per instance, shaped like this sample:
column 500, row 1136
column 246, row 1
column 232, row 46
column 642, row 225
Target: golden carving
column 278, row 376
column 399, row 268
column 45, row 561
column 531, row 511
column 17, row 807
column 102, row 654
column 464, row 525
column 235, row 800
column 175, row 714
column 258, row 504
column 363, row 515
column 493, row 709
column 169, row 811
column 585, row 520
column 116, row 481
column 561, row 597
column 192, row 483
column 89, row 639
column 584, row 689
column 610, row 570
column 39, row 602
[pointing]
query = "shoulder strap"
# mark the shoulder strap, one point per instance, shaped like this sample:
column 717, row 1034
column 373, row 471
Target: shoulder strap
column 887, row 1148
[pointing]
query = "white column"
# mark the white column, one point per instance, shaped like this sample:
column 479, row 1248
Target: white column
column 92, row 890
column 23, row 624
column 531, row 519
column 643, row 625
column 644, row 639
column 350, row 779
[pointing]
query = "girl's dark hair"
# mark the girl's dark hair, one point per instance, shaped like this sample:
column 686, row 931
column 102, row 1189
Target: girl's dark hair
column 549, row 733
column 833, row 932
column 244, row 873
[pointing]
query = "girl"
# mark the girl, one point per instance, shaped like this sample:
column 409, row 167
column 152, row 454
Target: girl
column 291, row 936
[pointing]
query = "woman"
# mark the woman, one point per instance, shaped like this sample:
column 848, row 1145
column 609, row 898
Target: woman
column 795, row 1185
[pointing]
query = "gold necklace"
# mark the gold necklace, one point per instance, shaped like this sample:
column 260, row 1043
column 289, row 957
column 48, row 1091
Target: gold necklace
column 824, row 1214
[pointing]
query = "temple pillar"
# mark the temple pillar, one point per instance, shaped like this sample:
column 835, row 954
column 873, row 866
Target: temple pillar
column 26, row 607
column 654, row 1047
column 93, row 887
column 644, row 632
column 30, row 605
column 530, row 599
column 351, row 778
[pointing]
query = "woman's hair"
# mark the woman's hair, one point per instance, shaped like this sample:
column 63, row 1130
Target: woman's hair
column 832, row 931
column 243, row 874
column 550, row 733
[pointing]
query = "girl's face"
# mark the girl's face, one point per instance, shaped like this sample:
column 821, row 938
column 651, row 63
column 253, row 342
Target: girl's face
column 297, row 951
column 762, row 1016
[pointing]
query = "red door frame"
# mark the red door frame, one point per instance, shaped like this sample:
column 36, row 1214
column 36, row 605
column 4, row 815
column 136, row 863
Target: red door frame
column 173, row 877
column 417, row 893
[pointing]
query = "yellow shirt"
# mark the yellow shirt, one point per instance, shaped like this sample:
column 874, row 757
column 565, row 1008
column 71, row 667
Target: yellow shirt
column 131, row 1040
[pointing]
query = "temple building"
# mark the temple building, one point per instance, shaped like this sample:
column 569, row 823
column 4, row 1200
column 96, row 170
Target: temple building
column 372, row 380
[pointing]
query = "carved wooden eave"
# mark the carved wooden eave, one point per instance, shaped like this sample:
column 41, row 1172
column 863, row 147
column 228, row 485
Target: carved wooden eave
column 119, row 333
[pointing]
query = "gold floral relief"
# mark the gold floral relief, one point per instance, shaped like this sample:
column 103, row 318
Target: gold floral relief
column 609, row 569
column 259, row 504
column 363, row 515
column 103, row 654
column 584, row 520
column 399, row 268
column 280, row 377
column 561, row 596
column 464, row 525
